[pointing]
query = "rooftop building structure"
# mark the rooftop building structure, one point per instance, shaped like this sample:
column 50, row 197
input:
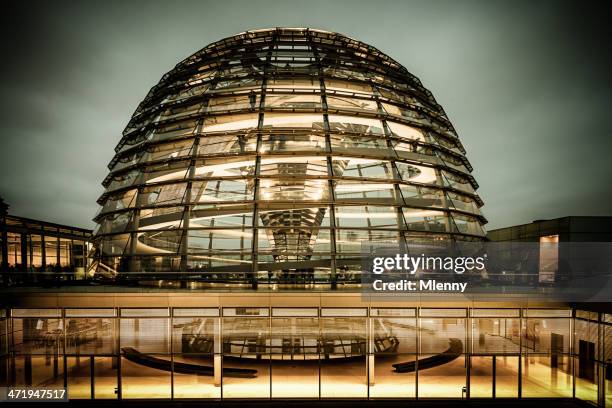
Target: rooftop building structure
column 273, row 155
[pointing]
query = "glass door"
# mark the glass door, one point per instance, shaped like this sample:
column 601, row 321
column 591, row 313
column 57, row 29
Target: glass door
column 494, row 376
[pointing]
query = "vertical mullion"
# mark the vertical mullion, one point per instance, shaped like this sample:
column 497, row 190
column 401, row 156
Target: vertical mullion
column 27, row 258
column 520, row 356
column 320, row 336
column 134, row 264
column 370, row 351
column 401, row 224
column 418, row 353
column 118, row 353
column 494, row 371
column 63, row 346
column 601, row 373
column 43, row 253
column 330, row 174
column 257, row 172
column 219, row 350
column 467, row 358
column 269, row 339
column 5, row 253
column 170, row 326
column 57, row 254
column 572, row 350
column 187, row 198
column 92, row 374
column 184, row 243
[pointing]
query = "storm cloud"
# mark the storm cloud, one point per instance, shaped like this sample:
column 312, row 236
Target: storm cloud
column 526, row 84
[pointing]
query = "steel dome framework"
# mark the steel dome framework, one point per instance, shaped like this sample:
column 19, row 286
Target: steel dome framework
column 275, row 154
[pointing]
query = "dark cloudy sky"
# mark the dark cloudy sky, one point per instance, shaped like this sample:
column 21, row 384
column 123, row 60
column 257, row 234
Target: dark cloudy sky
column 528, row 86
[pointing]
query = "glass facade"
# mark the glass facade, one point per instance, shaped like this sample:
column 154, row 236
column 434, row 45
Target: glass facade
column 271, row 156
column 39, row 251
column 239, row 352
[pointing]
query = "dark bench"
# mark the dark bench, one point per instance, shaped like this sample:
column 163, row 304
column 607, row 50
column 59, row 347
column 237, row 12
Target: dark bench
column 454, row 350
column 137, row 357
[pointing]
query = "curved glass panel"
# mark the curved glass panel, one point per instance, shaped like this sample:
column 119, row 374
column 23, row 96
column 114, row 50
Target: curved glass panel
column 271, row 156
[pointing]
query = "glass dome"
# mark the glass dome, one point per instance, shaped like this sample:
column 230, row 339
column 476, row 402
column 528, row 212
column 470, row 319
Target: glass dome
column 273, row 155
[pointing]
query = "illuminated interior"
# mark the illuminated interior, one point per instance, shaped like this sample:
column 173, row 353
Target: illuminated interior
column 308, row 352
